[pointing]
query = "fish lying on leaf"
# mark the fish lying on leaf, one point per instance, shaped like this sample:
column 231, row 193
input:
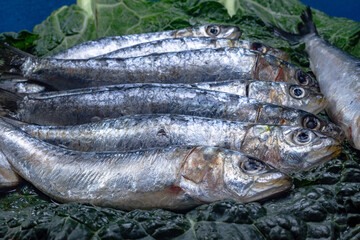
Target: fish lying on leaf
column 190, row 43
column 92, row 104
column 289, row 149
column 105, row 45
column 281, row 93
column 177, row 177
column 338, row 74
column 201, row 65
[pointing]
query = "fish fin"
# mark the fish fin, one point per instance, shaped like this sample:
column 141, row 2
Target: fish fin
column 291, row 37
column 305, row 27
column 11, row 60
column 8, row 102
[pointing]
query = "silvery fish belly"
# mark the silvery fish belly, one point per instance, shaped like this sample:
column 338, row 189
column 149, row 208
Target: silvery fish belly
column 286, row 148
column 93, row 104
column 340, row 83
column 190, row 43
column 202, row 65
column 338, row 74
column 177, row 177
column 105, row 45
column 281, row 93
column 8, row 178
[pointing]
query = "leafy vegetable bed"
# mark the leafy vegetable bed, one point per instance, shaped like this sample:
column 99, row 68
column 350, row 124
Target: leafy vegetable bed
column 325, row 202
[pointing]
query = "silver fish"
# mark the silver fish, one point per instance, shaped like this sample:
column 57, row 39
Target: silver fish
column 105, row 45
column 338, row 74
column 202, row 65
column 286, row 148
column 170, row 178
column 279, row 93
column 92, row 104
column 190, row 43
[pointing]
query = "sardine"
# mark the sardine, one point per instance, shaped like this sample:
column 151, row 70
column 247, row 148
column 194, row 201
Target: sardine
column 92, row 104
column 338, row 74
column 279, row 93
column 190, row 43
column 105, row 45
column 286, row 148
column 177, row 177
column 202, row 65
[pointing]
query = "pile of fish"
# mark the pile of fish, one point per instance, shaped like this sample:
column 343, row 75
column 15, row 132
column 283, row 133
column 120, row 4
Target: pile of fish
column 167, row 120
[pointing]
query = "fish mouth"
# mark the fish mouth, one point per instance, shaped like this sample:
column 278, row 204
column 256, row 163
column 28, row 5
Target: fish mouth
column 318, row 104
column 334, row 131
column 265, row 188
column 334, row 151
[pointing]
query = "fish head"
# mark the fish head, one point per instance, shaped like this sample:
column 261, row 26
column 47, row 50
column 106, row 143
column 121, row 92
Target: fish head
column 212, row 174
column 261, row 141
column 270, row 68
column 213, row 31
column 318, row 124
column 304, row 79
column 287, row 94
column 301, row 149
column 260, row 47
column 249, row 179
column 305, row 98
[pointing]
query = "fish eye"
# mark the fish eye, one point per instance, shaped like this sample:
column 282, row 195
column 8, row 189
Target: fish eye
column 258, row 47
column 303, row 78
column 213, row 30
column 297, row 92
column 311, row 123
column 302, row 137
column 252, row 165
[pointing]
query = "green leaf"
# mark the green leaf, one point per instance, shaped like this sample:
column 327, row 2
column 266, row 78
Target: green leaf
column 64, row 28
column 23, row 40
column 285, row 14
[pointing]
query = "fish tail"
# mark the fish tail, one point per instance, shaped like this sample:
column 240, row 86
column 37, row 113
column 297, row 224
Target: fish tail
column 306, row 27
column 11, row 60
column 8, row 102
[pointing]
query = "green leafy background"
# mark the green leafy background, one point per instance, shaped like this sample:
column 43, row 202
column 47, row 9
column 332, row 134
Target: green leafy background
column 325, row 202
